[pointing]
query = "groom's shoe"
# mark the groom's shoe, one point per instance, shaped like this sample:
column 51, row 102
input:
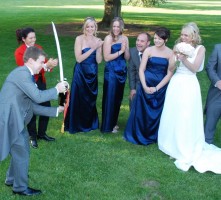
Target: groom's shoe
column 8, row 184
column 29, row 192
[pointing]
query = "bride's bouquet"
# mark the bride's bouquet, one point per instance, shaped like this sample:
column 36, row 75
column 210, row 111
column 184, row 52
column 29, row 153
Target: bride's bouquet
column 185, row 49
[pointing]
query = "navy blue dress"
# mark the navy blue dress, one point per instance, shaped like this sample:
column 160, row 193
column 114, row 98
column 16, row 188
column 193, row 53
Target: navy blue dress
column 82, row 112
column 115, row 75
column 143, row 123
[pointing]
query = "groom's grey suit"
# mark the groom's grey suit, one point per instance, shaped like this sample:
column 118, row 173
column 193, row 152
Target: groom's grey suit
column 213, row 103
column 19, row 98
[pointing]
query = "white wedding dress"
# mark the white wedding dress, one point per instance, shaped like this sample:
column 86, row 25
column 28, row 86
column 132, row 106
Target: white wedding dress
column 181, row 131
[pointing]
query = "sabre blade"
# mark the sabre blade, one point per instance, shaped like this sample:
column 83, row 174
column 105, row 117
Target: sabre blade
column 59, row 52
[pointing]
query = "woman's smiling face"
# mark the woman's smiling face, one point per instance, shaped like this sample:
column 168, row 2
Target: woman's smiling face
column 30, row 39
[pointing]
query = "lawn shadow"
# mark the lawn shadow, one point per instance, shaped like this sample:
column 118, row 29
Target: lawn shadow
column 74, row 29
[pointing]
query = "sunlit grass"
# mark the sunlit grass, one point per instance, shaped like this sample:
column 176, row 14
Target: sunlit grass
column 94, row 166
column 132, row 9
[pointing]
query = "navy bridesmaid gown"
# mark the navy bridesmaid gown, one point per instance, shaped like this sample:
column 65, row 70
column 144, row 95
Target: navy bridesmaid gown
column 115, row 75
column 143, row 123
column 82, row 112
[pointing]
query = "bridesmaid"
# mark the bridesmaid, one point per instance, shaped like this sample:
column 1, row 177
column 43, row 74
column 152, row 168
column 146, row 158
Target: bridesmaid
column 116, row 52
column 82, row 112
column 155, row 71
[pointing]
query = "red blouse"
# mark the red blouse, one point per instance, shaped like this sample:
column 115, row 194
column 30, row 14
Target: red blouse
column 19, row 53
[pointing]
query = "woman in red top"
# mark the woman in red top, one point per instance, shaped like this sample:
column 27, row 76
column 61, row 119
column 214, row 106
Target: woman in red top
column 26, row 37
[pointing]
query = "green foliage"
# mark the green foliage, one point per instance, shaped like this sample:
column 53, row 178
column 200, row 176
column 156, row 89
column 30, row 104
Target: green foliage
column 146, row 3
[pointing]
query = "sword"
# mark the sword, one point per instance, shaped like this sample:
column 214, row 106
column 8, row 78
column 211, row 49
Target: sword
column 59, row 52
column 62, row 96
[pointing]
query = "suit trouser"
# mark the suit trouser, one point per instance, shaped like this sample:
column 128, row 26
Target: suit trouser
column 131, row 102
column 43, row 120
column 213, row 113
column 17, row 173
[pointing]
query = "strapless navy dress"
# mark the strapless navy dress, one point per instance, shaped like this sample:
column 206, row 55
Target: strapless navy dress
column 82, row 112
column 143, row 123
column 115, row 75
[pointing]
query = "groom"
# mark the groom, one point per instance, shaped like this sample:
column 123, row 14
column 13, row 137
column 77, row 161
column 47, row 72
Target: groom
column 19, row 99
column 213, row 103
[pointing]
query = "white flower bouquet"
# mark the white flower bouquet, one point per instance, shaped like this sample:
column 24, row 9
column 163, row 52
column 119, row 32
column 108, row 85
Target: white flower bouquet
column 185, row 49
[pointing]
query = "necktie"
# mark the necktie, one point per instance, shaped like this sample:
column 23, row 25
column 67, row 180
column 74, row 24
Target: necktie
column 33, row 78
column 140, row 54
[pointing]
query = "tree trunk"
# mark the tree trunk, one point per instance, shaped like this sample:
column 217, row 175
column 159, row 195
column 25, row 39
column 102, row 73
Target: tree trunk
column 112, row 8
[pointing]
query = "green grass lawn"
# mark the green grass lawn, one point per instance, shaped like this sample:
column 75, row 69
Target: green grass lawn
column 92, row 165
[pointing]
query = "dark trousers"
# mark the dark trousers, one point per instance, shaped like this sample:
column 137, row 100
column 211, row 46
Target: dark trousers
column 131, row 102
column 43, row 121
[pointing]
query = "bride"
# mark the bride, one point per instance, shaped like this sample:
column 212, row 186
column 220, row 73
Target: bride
column 181, row 132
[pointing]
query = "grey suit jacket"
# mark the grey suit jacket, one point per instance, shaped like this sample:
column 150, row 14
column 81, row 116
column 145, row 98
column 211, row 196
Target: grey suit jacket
column 213, row 69
column 19, row 99
column 133, row 68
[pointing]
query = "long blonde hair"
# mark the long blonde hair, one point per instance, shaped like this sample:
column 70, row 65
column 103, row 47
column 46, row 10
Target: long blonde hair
column 87, row 20
column 193, row 30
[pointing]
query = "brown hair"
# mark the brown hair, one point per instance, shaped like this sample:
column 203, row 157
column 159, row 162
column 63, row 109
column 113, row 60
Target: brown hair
column 147, row 34
column 34, row 53
column 120, row 20
column 23, row 33
column 163, row 33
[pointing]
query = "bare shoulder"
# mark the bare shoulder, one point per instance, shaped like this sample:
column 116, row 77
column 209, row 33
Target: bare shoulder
column 80, row 37
column 108, row 39
column 202, row 48
column 169, row 49
column 148, row 51
column 97, row 38
column 170, row 52
column 124, row 37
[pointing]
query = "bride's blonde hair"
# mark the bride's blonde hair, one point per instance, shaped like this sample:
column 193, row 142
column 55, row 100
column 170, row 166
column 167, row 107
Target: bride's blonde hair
column 193, row 30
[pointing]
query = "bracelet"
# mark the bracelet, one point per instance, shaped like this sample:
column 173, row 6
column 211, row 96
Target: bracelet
column 156, row 89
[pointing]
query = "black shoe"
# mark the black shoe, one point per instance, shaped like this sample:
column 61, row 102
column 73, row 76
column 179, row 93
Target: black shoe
column 46, row 138
column 9, row 184
column 34, row 143
column 28, row 192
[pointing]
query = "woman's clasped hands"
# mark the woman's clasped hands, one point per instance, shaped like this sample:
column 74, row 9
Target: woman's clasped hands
column 97, row 44
column 51, row 63
column 150, row 90
column 123, row 45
